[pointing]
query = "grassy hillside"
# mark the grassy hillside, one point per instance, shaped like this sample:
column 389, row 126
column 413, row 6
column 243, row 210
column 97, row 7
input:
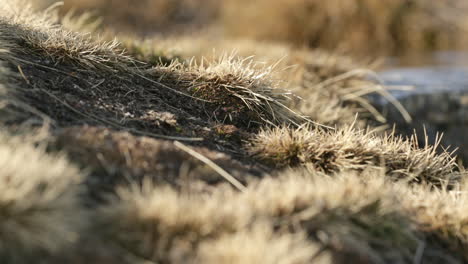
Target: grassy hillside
column 129, row 153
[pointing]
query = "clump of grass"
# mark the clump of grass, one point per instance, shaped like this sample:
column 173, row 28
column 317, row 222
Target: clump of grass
column 349, row 148
column 161, row 225
column 440, row 212
column 343, row 97
column 38, row 32
column 259, row 244
column 236, row 90
column 40, row 211
column 330, row 87
column 351, row 216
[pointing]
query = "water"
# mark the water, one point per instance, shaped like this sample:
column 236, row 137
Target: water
column 425, row 80
column 435, row 95
column 439, row 72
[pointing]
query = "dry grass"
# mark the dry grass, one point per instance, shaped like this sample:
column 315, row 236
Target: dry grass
column 153, row 202
column 313, row 75
column 161, row 225
column 330, row 88
column 39, row 204
column 241, row 90
column 441, row 212
column 39, row 33
column 269, row 247
column 228, row 89
column 348, row 217
column 348, row 148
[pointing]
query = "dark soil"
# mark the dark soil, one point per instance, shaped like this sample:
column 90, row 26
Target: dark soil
column 122, row 125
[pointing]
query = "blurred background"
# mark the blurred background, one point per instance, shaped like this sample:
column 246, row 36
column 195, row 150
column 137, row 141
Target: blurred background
column 407, row 29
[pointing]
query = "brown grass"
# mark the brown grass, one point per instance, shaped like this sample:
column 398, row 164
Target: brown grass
column 350, row 217
column 441, row 212
column 348, row 148
column 330, row 88
column 270, row 247
column 313, row 75
column 152, row 201
column 39, row 202
column 240, row 90
column 228, row 90
column 38, row 32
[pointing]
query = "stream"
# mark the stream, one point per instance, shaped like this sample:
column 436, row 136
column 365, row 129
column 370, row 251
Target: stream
column 435, row 94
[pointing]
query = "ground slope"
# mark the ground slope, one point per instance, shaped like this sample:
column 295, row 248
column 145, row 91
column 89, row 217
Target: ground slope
column 201, row 163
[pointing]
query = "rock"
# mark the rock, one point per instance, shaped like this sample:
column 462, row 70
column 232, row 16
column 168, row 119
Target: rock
column 437, row 102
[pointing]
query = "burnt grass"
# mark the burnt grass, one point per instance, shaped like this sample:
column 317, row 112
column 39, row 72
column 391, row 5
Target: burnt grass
column 105, row 117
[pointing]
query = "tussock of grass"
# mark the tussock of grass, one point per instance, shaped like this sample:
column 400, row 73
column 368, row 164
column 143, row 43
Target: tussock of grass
column 164, row 226
column 330, row 88
column 237, row 89
column 348, row 148
column 269, row 247
column 39, row 33
column 349, row 217
column 40, row 212
column 352, row 216
column 440, row 212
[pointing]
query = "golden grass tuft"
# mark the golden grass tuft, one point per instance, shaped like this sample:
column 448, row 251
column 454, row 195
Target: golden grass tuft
column 161, row 225
column 259, row 244
column 441, row 212
column 349, row 148
column 39, row 32
column 237, row 90
column 347, row 217
column 40, row 211
column 330, row 88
